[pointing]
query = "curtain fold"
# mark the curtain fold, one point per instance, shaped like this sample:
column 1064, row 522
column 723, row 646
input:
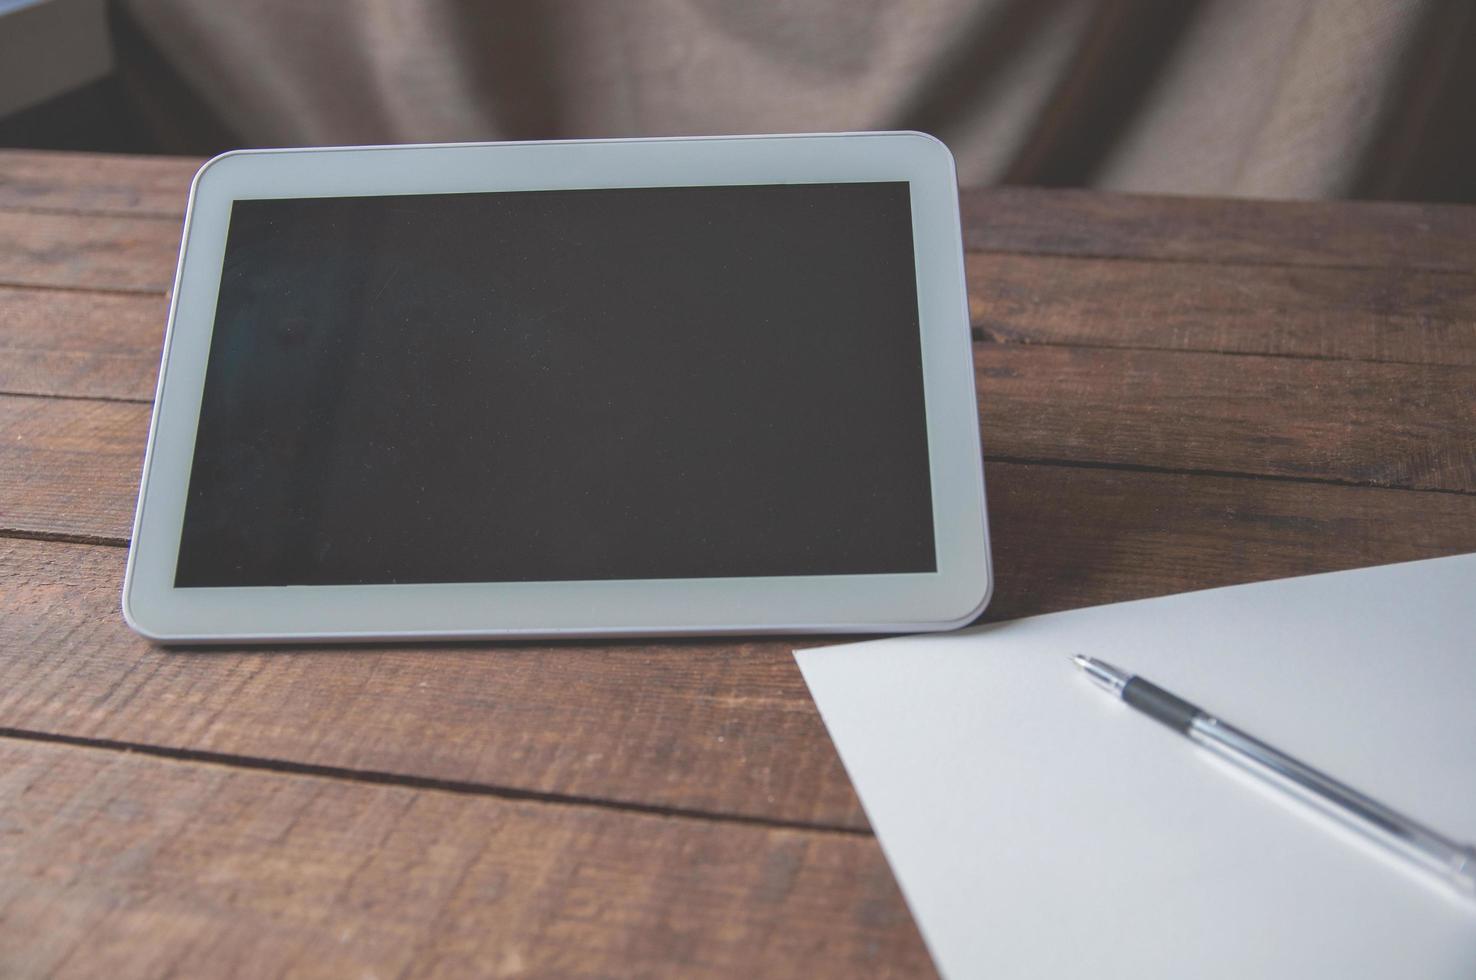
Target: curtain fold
column 1268, row 98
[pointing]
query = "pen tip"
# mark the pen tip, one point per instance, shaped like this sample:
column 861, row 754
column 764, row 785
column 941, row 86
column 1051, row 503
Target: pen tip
column 1080, row 661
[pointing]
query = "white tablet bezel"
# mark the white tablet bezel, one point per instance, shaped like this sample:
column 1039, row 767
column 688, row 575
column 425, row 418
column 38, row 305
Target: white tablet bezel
column 948, row 598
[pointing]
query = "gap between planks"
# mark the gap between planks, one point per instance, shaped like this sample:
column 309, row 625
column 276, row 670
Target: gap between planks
column 1088, row 255
column 977, row 335
column 1326, row 481
column 983, row 336
column 53, row 396
column 104, row 212
column 600, row 722
column 64, row 537
column 111, row 541
column 426, row 783
column 1024, row 252
column 53, row 287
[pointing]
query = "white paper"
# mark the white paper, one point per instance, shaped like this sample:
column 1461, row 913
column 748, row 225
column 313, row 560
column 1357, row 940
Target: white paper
column 1041, row 828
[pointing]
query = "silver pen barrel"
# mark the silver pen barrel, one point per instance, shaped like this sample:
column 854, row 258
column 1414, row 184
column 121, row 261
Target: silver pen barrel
column 1407, row 837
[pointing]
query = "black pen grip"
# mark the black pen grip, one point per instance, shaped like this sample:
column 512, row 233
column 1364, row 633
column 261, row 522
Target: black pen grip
column 1159, row 704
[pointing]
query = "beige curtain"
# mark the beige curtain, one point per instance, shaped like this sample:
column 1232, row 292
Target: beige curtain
column 1271, row 98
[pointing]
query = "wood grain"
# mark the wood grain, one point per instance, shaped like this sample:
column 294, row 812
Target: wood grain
column 82, row 344
column 996, row 219
column 95, row 183
column 637, row 722
column 1060, row 221
column 70, row 467
column 77, row 344
column 1394, row 315
column 75, row 251
column 119, row 865
column 658, row 808
column 87, row 344
column 1394, row 425
column 626, row 722
column 1066, row 537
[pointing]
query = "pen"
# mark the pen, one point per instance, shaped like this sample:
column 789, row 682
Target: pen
column 1434, row 852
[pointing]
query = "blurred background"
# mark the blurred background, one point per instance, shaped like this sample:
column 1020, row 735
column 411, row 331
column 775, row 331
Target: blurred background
column 1262, row 98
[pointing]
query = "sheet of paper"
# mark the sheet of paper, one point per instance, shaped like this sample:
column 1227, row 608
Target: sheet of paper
column 1039, row 827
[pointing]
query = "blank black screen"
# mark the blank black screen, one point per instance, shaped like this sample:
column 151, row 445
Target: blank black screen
column 630, row 383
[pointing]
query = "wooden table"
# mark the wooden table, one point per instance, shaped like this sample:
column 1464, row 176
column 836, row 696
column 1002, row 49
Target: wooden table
column 1176, row 394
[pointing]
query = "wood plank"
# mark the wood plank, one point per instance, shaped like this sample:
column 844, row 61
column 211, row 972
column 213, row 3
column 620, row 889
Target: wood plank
column 70, row 467
column 1066, row 537
column 716, row 725
column 997, row 219
column 75, row 251
column 80, row 344
column 1059, row 221
column 629, row 722
column 107, row 345
column 1395, row 425
column 1293, row 311
column 85, row 344
column 95, row 183
column 121, row 865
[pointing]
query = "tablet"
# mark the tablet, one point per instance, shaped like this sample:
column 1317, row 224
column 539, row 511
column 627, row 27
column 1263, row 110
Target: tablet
column 711, row 385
